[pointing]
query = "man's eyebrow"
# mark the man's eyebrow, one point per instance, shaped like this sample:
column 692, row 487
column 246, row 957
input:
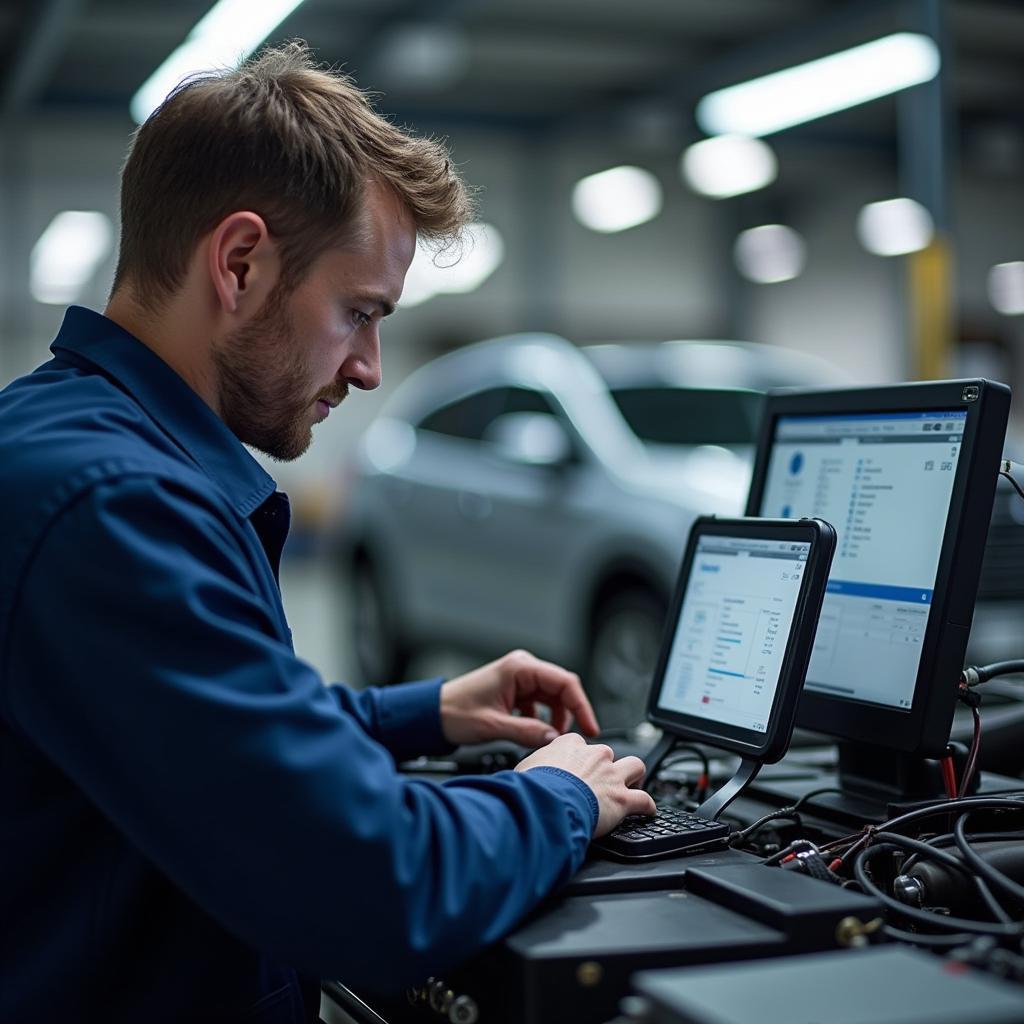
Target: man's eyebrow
column 386, row 308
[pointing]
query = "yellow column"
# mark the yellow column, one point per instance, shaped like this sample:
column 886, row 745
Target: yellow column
column 930, row 281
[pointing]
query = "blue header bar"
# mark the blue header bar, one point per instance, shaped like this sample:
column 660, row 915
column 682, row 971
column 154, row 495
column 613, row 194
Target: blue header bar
column 853, row 417
column 880, row 592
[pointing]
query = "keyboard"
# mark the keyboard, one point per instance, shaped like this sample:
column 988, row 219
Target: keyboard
column 674, row 830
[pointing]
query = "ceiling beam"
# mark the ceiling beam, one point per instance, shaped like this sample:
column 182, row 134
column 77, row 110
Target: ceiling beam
column 37, row 53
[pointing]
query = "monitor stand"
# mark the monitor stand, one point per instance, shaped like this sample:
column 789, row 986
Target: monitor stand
column 871, row 785
column 723, row 796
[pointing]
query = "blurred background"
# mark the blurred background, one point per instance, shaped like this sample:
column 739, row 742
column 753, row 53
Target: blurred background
column 864, row 212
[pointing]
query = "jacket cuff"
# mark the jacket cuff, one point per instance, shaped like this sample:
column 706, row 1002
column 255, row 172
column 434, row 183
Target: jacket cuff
column 576, row 788
column 409, row 716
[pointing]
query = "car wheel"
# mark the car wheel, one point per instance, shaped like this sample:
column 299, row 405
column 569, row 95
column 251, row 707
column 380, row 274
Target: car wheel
column 625, row 641
column 381, row 655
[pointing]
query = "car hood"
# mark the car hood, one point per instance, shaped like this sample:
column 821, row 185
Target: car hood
column 704, row 478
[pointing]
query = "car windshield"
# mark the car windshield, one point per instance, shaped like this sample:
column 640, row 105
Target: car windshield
column 668, row 415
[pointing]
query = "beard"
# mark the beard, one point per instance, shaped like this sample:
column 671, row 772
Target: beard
column 266, row 391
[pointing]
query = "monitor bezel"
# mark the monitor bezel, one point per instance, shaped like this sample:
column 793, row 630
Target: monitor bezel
column 924, row 728
column 772, row 744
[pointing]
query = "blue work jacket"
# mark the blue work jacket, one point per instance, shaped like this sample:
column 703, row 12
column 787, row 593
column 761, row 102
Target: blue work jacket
column 193, row 827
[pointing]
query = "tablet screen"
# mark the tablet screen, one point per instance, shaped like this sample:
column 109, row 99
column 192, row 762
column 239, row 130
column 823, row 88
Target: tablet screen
column 733, row 629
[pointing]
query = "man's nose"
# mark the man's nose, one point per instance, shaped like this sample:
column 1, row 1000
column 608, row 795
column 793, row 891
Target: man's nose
column 363, row 369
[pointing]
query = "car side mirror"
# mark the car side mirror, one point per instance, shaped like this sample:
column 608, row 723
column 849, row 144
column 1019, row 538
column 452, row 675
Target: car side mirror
column 530, row 438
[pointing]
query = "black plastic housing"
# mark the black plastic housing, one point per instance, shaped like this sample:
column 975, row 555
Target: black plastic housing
column 924, row 729
column 771, row 745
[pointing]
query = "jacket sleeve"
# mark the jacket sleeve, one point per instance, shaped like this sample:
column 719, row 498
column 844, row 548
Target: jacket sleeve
column 406, row 719
column 142, row 663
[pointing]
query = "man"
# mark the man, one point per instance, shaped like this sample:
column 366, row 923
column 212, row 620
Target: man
column 195, row 827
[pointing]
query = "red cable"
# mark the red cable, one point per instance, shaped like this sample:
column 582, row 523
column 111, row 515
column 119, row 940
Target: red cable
column 949, row 776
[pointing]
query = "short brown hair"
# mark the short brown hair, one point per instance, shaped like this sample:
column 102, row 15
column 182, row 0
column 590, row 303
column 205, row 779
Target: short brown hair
column 286, row 138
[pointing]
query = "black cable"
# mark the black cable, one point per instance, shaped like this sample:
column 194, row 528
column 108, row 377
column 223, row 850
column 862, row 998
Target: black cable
column 792, row 812
column 924, row 917
column 812, row 793
column 970, row 803
column 931, row 941
column 745, row 833
column 945, row 839
column 923, row 849
column 670, row 758
column 982, row 866
column 1016, row 486
column 700, row 791
column 999, row 668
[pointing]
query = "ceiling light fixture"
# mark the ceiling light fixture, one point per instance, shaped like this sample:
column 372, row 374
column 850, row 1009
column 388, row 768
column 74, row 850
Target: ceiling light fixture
column 895, row 227
column 67, row 254
column 1006, row 288
column 226, row 34
column 824, row 86
column 770, row 254
column 728, row 165
column 616, row 199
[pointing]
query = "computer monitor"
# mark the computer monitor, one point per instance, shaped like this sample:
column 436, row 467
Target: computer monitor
column 907, row 475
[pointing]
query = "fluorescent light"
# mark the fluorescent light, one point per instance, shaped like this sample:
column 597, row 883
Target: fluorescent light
column 770, row 253
column 894, row 227
column 807, row 91
column 1006, row 288
column 483, row 253
column 225, row 35
column 728, row 165
column 67, row 254
column 616, row 199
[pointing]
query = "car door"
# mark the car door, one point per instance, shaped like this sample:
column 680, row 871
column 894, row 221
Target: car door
column 519, row 527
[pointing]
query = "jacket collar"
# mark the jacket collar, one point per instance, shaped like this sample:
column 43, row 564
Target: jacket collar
column 90, row 338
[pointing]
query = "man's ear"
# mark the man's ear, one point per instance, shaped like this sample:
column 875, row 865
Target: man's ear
column 243, row 262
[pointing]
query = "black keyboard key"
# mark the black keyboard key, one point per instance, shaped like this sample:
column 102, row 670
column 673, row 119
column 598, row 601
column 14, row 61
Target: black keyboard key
column 673, row 831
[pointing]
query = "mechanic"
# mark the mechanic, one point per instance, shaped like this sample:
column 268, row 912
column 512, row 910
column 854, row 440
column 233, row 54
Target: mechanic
column 195, row 827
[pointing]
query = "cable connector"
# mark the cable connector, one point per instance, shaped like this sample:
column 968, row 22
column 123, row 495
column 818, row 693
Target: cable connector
column 965, row 692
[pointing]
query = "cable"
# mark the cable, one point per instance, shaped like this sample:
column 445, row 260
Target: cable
column 924, row 917
column 982, row 866
column 861, row 839
column 923, row 849
column 972, row 757
column 970, row 803
column 931, row 941
column 701, row 789
column 975, row 675
column 745, row 833
column 813, row 793
column 1004, row 470
column 792, row 813
column 696, row 751
column 949, row 776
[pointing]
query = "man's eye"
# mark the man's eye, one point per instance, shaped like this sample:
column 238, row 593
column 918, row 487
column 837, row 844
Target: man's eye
column 359, row 318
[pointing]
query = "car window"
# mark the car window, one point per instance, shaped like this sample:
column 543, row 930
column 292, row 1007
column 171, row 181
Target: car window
column 663, row 415
column 470, row 417
column 467, row 417
column 527, row 400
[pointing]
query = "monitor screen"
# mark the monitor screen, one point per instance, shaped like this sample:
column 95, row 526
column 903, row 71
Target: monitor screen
column 884, row 481
column 732, row 630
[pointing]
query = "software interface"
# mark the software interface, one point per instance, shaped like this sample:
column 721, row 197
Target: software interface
column 884, row 482
column 733, row 628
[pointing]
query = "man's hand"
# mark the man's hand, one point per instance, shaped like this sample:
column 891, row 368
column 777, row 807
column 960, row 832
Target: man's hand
column 478, row 706
column 596, row 766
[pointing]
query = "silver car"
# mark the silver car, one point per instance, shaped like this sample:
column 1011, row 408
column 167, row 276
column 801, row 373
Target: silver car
column 523, row 492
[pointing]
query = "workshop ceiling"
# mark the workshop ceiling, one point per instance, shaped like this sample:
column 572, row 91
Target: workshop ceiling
column 523, row 65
